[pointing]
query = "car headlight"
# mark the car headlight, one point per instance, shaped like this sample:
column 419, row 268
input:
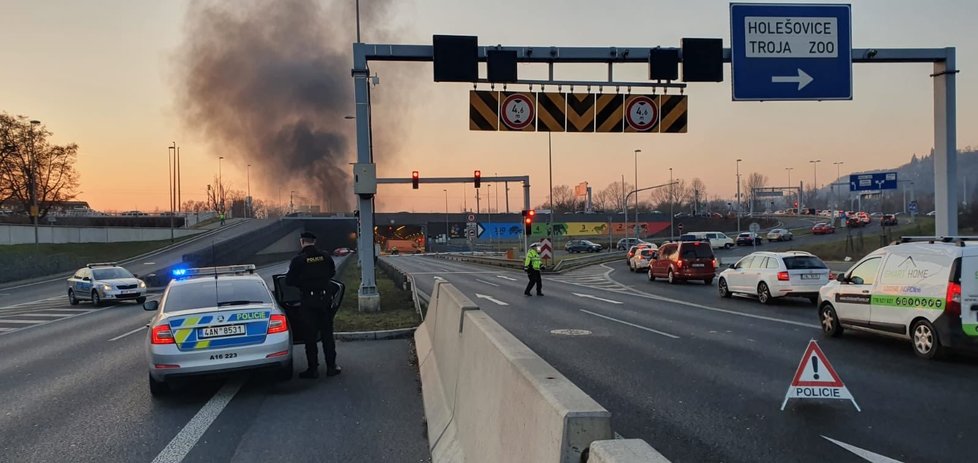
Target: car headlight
column 106, row 287
column 142, row 284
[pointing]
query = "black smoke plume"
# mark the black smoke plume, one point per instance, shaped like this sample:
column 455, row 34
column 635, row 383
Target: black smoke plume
column 268, row 82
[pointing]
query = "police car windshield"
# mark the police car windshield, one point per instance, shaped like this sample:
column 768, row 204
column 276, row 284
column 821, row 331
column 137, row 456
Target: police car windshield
column 110, row 273
column 205, row 293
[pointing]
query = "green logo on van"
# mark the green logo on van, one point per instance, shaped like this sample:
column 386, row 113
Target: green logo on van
column 908, row 302
column 970, row 330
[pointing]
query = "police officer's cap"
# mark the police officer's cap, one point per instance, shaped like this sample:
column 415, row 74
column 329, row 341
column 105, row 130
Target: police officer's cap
column 307, row 236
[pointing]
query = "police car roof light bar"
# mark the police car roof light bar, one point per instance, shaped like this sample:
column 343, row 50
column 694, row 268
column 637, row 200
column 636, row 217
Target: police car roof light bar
column 101, row 264
column 219, row 270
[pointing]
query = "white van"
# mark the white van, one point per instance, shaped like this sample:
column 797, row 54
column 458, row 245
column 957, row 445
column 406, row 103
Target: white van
column 716, row 239
column 924, row 289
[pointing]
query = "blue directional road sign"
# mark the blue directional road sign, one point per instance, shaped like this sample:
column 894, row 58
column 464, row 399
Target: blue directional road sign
column 873, row 182
column 791, row 52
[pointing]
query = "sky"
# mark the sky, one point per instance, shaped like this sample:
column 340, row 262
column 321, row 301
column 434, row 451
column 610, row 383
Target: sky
column 102, row 74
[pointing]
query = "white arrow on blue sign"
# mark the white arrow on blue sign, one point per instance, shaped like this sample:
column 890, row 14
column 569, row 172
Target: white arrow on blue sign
column 791, row 51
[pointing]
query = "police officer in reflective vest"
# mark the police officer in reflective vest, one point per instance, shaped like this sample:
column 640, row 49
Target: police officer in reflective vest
column 532, row 265
column 310, row 271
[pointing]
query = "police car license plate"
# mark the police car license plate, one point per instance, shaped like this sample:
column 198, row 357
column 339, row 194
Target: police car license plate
column 220, row 331
column 809, row 276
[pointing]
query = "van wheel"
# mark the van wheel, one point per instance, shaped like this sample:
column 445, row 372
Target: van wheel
column 830, row 321
column 71, row 298
column 671, row 278
column 158, row 388
column 727, row 245
column 763, row 293
column 925, row 341
column 723, row 289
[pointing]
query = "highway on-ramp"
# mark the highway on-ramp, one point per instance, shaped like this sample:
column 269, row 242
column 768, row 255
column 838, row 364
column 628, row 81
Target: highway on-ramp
column 703, row 378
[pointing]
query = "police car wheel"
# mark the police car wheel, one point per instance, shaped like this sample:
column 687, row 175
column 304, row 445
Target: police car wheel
column 96, row 300
column 763, row 293
column 284, row 373
column 71, row 298
column 723, row 289
column 158, row 388
column 926, row 344
column 830, row 321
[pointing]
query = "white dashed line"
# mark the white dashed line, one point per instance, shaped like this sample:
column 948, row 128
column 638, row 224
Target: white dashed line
column 23, row 322
column 34, row 314
column 187, row 438
column 862, row 453
column 127, row 333
column 486, row 282
column 623, row 322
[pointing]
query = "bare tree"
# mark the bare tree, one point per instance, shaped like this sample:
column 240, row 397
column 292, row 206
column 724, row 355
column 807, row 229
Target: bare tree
column 754, row 181
column 611, row 199
column 29, row 162
column 699, row 194
column 563, row 199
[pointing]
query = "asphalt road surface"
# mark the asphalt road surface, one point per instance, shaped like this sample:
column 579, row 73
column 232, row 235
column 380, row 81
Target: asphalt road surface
column 74, row 387
column 703, row 378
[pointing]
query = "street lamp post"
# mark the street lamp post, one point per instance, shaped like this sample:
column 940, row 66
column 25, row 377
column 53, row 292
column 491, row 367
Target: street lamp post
column 738, row 195
column 35, row 210
column 171, row 162
column 838, row 175
column 446, row 218
column 789, row 169
column 672, row 217
column 220, row 182
column 814, row 179
column 178, row 184
column 248, row 213
column 636, row 196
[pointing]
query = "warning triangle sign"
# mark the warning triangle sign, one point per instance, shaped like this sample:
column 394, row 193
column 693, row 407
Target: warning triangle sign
column 815, row 369
column 816, row 379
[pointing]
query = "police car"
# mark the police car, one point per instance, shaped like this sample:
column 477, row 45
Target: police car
column 216, row 320
column 923, row 289
column 105, row 281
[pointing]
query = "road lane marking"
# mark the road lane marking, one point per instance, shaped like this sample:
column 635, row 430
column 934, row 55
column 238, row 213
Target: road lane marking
column 623, row 322
column 2, row 330
column 864, row 454
column 149, row 263
column 35, row 314
column 506, row 277
column 187, row 438
column 490, row 298
column 597, row 298
column 7, row 320
column 128, row 333
column 69, row 310
column 486, row 282
column 449, row 272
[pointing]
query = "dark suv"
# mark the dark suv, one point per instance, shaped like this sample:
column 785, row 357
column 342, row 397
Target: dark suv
column 582, row 246
column 683, row 261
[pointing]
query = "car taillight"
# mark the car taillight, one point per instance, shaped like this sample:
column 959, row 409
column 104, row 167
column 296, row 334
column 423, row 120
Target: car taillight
column 715, row 263
column 783, row 276
column 953, row 306
column 679, row 263
column 277, row 324
column 161, row 334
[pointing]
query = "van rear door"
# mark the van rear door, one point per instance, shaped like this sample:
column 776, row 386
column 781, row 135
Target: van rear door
column 969, row 294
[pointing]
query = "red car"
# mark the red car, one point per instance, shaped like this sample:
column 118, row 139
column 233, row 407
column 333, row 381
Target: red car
column 822, row 228
column 683, row 261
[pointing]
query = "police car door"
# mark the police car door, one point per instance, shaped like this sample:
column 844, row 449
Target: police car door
column 969, row 293
column 853, row 298
column 83, row 285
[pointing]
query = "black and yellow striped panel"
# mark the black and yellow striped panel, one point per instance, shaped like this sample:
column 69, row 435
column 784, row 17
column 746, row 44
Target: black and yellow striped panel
column 517, row 111
column 672, row 113
column 550, row 112
column 580, row 112
column 609, row 113
column 483, row 110
column 642, row 113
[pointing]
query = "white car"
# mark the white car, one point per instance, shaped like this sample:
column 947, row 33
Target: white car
column 216, row 320
column 770, row 275
column 642, row 258
column 716, row 239
column 923, row 289
column 780, row 234
column 103, row 282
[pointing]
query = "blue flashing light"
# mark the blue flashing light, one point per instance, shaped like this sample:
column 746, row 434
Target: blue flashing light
column 179, row 272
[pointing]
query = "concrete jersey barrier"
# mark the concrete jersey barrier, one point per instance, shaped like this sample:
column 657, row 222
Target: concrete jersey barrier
column 489, row 398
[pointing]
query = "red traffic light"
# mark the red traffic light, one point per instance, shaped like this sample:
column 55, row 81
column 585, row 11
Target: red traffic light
column 415, row 179
column 477, row 178
column 531, row 213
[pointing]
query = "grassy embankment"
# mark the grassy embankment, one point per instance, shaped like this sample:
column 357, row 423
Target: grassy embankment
column 21, row 261
column 836, row 250
column 397, row 305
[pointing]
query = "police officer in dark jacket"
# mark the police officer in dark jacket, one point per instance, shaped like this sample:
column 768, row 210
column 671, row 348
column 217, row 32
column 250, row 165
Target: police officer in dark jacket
column 310, row 271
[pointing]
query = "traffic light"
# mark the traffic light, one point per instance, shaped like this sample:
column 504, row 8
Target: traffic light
column 528, row 216
column 415, row 178
column 477, row 179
